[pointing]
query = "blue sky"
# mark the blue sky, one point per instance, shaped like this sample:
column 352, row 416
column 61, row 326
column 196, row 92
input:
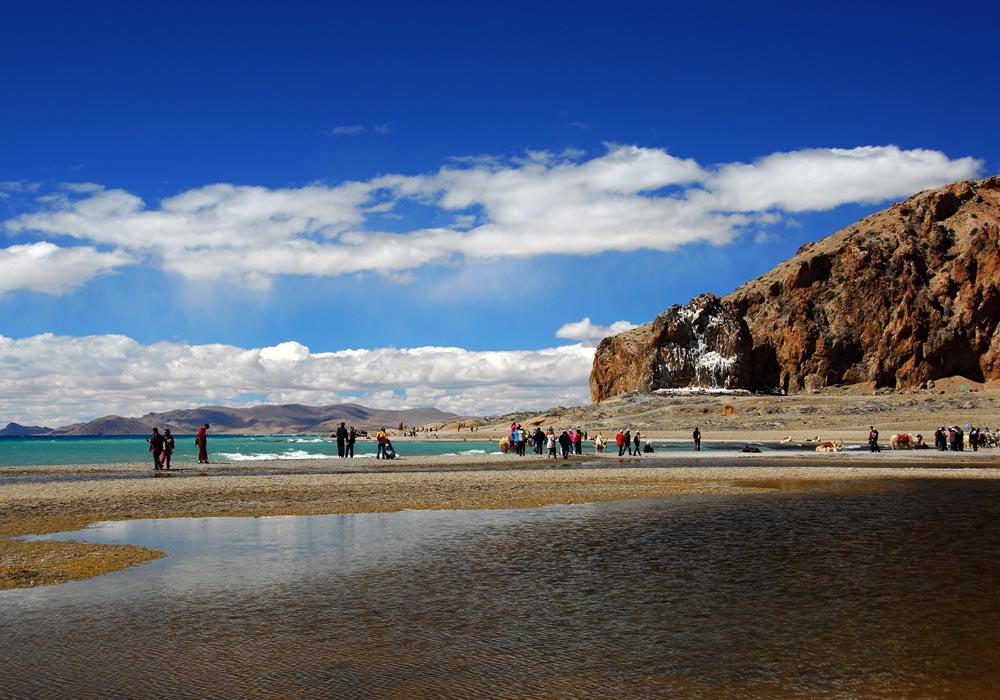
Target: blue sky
column 401, row 205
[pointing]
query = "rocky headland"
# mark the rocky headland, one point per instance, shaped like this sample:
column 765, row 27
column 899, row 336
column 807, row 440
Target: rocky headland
column 903, row 297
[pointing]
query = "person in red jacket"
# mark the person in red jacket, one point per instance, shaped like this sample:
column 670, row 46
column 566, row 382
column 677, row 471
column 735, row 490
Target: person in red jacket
column 620, row 441
column 202, row 442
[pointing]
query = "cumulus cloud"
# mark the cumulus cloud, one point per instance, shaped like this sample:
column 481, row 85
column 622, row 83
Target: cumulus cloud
column 57, row 380
column 590, row 334
column 543, row 203
column 45, row 267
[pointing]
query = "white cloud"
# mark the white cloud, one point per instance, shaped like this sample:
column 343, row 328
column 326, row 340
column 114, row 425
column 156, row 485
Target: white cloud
column 628, row 199
column 590, row 334
column 45, row 267
column 818, row 179
column 347, row 130
column 56, row 380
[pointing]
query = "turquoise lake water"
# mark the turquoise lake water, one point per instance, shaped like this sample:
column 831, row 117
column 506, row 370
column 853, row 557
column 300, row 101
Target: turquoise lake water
column 28, row 451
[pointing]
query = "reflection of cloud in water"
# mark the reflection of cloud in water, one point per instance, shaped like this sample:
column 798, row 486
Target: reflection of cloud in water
column 254, row 554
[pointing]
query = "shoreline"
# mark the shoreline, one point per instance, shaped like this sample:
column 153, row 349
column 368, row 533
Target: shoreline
column 49, row 499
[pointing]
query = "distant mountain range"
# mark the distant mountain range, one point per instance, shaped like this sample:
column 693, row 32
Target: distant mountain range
column 255, row 420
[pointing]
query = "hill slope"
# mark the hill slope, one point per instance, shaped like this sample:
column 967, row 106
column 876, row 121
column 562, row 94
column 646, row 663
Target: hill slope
column 261, row 420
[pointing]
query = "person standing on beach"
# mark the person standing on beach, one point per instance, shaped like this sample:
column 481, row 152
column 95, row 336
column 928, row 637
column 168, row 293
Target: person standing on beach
column 382, row 438
column 156, row 447
column 627, row 439
column 202, row 442
column 873, row 439
column 635, row 439
column 564, row 443
column 578, row 441
column 697, row 439
column 352, row 437
column 341, row 436
column 940, row 442
column 550, row 440
column 168, row 448
column 620, row 441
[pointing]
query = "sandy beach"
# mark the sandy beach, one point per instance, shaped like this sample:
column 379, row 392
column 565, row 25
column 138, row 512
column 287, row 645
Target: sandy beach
column 39, row 500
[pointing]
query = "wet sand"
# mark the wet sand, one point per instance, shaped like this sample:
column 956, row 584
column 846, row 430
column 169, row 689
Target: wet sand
column 39, row 500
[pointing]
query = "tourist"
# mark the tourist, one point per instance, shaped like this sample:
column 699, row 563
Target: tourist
column 620, row 441
column 564, row 443
column 202, row 442
column 873, row 439
column 156, row 447
column 382, row 438
column 697, row 439
column 341, row 436
column 518, row 437
column 352, row 437
column 538, row 440
column 636, row 441
column 578, row 441
column 168, row 448
column 550, row 441
column 627, row 439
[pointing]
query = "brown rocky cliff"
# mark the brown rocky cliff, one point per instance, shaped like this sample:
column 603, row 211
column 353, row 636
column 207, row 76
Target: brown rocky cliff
column 701, row 344
column 906, row 295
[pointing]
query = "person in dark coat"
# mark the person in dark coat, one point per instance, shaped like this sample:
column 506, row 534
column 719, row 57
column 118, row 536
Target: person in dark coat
column 564, row 443
column 352, row 437
column 156, row 447
column 341, row 436
column 168, row 448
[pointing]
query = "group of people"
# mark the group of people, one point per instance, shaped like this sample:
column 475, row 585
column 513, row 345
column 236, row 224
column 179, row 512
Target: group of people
column 625, row 440
column 945, row 439
column 346, row 437
column 162, row 446
column 345, row 440
column 569, row 441
column 953, row 438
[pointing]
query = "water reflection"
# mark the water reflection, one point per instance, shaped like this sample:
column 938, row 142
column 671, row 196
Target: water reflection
column 883, row 593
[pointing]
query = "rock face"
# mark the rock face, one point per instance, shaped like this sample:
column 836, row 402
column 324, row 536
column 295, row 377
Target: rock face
column 701, row 344
column 904, row 296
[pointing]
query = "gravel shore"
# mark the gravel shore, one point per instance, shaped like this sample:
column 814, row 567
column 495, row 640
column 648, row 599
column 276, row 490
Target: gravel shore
column 38, row 500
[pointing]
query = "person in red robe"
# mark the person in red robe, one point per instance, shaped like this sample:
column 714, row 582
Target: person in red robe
column 202, row 442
